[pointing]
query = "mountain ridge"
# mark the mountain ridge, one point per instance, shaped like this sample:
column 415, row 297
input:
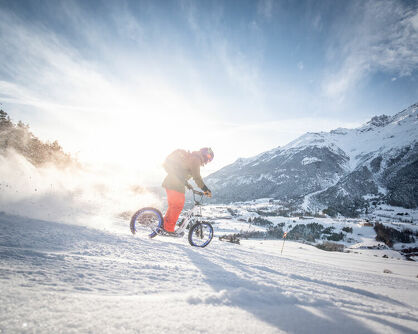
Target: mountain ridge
column 343, row 169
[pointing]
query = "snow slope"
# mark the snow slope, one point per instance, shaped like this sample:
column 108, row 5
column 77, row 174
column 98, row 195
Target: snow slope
column 71, row 279
column 380, row 135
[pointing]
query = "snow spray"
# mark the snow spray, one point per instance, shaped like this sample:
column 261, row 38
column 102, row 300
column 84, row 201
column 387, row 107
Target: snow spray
column 92, row 197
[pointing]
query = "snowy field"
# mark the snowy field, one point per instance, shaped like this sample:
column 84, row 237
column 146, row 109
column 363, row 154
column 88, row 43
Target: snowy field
column 357, row 232
column 57, row 278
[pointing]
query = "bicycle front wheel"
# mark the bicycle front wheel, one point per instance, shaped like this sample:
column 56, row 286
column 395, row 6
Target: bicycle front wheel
column 200, row 234
column 146, row 222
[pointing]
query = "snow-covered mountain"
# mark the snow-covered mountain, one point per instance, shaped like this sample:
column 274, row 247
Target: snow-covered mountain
column 344, row 170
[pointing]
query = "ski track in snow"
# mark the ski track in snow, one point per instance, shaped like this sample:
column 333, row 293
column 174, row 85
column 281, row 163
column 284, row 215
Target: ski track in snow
column 69, row 279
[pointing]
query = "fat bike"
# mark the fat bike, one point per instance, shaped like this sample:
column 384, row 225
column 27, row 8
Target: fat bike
column 148, row 222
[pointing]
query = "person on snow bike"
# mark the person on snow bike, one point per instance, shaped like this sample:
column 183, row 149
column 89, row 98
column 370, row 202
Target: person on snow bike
column 180, row 166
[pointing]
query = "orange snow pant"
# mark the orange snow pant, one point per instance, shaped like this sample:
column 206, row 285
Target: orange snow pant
column 175, row 201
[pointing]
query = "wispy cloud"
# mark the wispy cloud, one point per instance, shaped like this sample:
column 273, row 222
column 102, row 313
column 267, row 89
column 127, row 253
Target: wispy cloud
column 239, row 66
column 317, row 22
column 107, row 100
column 135, row 77
column 265, row 8
column 242, row 72
column 80, row 95
column 379, row 36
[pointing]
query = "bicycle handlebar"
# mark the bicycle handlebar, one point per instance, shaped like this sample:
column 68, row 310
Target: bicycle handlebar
column 196, row 192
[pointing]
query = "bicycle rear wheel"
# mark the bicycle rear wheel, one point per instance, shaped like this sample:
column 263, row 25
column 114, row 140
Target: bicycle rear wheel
column 200, row 234
column 147, row 222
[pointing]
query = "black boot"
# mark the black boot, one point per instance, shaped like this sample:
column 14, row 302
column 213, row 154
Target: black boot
column 172, row 234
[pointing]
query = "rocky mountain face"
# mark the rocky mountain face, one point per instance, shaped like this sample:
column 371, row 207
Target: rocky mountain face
column 344, row 171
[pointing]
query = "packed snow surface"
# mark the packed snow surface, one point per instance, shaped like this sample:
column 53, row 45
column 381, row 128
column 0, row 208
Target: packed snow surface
column 64, row 278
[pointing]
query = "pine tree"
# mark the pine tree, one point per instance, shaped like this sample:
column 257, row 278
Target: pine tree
column 19, row 138
column 3, row 115
column 4, row 119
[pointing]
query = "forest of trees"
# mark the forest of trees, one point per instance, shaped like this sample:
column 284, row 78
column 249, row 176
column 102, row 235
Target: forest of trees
column 19, row 138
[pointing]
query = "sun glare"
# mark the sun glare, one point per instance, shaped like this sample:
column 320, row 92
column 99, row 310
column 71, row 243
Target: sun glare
column 139, row 126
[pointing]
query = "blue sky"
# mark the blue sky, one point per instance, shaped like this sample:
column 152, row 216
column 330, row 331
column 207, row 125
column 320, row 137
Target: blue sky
column 126, row 82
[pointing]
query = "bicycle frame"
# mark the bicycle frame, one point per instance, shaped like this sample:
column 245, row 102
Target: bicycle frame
column 194, row 214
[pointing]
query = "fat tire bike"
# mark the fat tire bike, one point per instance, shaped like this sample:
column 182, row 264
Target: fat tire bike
column 148, row 222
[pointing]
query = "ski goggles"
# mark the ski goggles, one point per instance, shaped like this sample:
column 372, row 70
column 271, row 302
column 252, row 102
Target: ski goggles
column 209, row 155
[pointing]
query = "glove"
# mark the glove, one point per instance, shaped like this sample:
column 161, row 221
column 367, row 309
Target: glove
column 188, row 186
column 206, row 191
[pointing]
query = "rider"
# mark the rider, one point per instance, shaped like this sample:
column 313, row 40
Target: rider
column 180, row 166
